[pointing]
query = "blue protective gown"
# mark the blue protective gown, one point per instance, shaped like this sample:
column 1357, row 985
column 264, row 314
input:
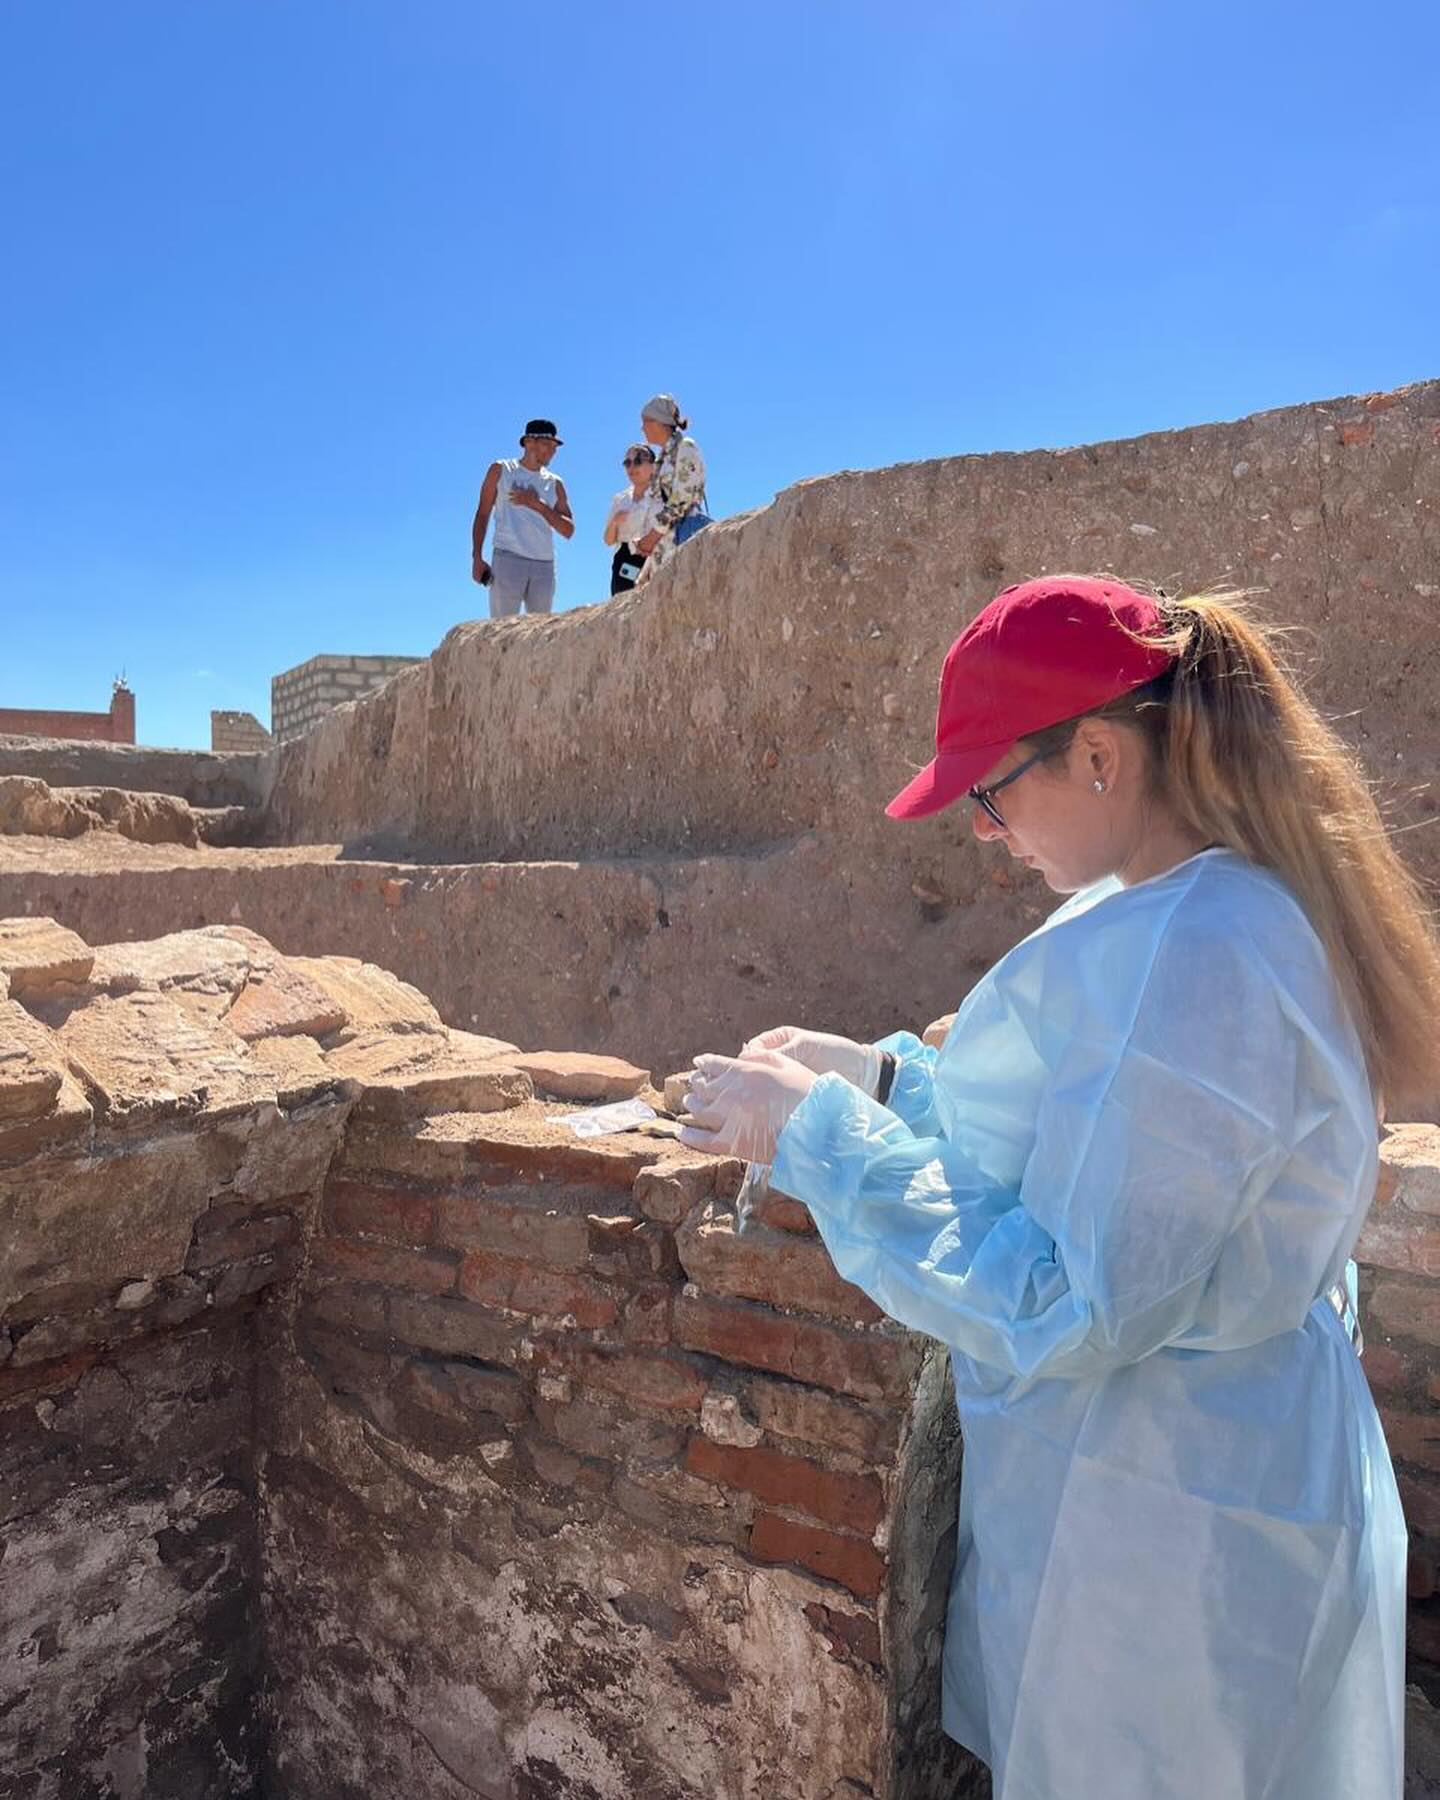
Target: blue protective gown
column 1120, row 1194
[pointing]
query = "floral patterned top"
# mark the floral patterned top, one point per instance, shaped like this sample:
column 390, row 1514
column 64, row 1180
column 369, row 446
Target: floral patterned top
column 679, row 487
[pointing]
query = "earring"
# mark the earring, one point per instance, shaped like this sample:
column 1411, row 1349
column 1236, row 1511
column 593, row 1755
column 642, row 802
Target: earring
column 1099, row 786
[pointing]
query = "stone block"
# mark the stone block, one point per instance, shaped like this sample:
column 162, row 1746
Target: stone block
column 283, row 1001
column 148, row 1197
column 670, row 1190
column 668, row 1383
column 371, row 998
column 145, row 1060
column 298, row 1068
column 809, row 1415
column 763, row 1264
column 573, row 1075
column 233, row 1231
column 42, row 958
column 211, row 960
column 31, row 1069
column 411, row 1074
column 850, row 1561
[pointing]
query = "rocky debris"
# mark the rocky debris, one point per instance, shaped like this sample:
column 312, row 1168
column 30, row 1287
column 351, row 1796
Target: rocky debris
column 143, row 1059
column 30, row 807
column 40, row 957
column 573, row 1075
column 675, row 1089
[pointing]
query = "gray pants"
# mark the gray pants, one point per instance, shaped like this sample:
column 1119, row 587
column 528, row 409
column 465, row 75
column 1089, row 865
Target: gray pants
column 518, row 582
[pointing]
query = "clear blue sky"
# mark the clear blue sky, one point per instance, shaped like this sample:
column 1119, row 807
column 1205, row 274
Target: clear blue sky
column 283, row 276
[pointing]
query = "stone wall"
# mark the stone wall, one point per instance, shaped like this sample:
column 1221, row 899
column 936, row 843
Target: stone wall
column 303, row 695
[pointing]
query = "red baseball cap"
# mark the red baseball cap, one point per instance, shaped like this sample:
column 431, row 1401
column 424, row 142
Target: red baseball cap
column 1039, row 653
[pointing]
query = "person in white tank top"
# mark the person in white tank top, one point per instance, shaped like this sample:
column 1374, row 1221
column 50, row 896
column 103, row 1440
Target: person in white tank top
column 529, row 505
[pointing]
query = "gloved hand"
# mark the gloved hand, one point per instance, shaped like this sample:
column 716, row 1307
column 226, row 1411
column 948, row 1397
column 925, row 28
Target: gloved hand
column 824, row 1053
column 738, row 1105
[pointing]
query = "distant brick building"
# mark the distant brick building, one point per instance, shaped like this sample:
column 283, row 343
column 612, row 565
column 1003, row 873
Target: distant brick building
column 237, row 731
column 307, row 692
column 114, row 727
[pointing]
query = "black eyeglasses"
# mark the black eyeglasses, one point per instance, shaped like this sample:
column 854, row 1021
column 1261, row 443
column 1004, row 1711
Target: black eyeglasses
column 638, row 462
column 984, row 797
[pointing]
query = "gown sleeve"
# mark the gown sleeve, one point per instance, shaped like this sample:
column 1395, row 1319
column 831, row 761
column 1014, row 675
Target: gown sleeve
column 912, row 1094
column 1191, row 1182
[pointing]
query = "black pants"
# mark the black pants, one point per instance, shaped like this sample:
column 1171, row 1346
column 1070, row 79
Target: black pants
column 625, row 559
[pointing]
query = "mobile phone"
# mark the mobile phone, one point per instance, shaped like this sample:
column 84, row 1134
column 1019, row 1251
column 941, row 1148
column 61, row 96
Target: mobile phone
column 486, row 578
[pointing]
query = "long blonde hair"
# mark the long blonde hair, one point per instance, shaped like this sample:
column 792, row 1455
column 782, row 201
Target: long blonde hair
column 1246, row 761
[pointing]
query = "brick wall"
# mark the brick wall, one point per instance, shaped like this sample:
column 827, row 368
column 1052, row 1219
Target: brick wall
column 366, row 1432
column 117, row 726
column 1400, row 1254
column 304, row 694
column 232, row 732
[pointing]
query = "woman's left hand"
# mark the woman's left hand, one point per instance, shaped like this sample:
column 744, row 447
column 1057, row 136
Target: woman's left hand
column 739, row 1105
column 648, row 542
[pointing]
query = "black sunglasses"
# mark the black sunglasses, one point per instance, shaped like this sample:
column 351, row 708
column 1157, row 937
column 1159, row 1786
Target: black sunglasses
column 984, row 797
column 638, row 462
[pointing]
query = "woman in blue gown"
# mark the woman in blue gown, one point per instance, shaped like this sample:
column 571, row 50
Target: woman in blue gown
column 1125, row 1193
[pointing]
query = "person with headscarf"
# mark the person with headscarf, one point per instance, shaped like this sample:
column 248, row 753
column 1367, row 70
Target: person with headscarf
column 678, row 483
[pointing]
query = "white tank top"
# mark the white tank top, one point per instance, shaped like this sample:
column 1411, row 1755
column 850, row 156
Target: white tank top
column 517, row 529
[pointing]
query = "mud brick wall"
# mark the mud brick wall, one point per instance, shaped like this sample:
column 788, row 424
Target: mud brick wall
column 569, row 1491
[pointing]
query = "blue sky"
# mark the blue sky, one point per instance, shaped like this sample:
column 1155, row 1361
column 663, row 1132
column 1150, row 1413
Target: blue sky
column 283, row 276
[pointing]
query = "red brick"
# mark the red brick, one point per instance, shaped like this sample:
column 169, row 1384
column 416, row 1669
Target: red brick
column 852, row 1501
column 763, row 1264
column 1413, row 1437
column 1421, row 1500
column 665, row 1382
column 849, row 1561
column 1357, row 432
column 422, row 1271
column 537, row 1292
column 782, row 1213
column 530, row 1232
column 1409, row 1308
column 1386, row 1369
column 870, row 1365
column 397, row 1216
column 669, row 1191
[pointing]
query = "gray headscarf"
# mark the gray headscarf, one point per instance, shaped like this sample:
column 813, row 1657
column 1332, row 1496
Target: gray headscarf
column 664, row 409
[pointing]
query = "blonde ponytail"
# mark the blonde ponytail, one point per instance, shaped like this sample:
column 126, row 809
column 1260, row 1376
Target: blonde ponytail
column 1246, row 761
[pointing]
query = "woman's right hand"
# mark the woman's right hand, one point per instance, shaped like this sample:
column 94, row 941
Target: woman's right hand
column 824, row 1053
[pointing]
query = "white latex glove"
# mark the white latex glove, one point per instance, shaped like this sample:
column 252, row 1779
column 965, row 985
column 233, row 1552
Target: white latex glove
column 739, row 1105
column 823, row 1053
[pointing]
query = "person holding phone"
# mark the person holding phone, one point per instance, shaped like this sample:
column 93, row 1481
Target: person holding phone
column 1124, row 1193
column 530, row 508
column 630, row 517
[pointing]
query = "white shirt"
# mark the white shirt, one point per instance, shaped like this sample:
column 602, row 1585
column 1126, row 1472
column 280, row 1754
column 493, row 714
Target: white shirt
column 632, row 517
column 517, row 529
